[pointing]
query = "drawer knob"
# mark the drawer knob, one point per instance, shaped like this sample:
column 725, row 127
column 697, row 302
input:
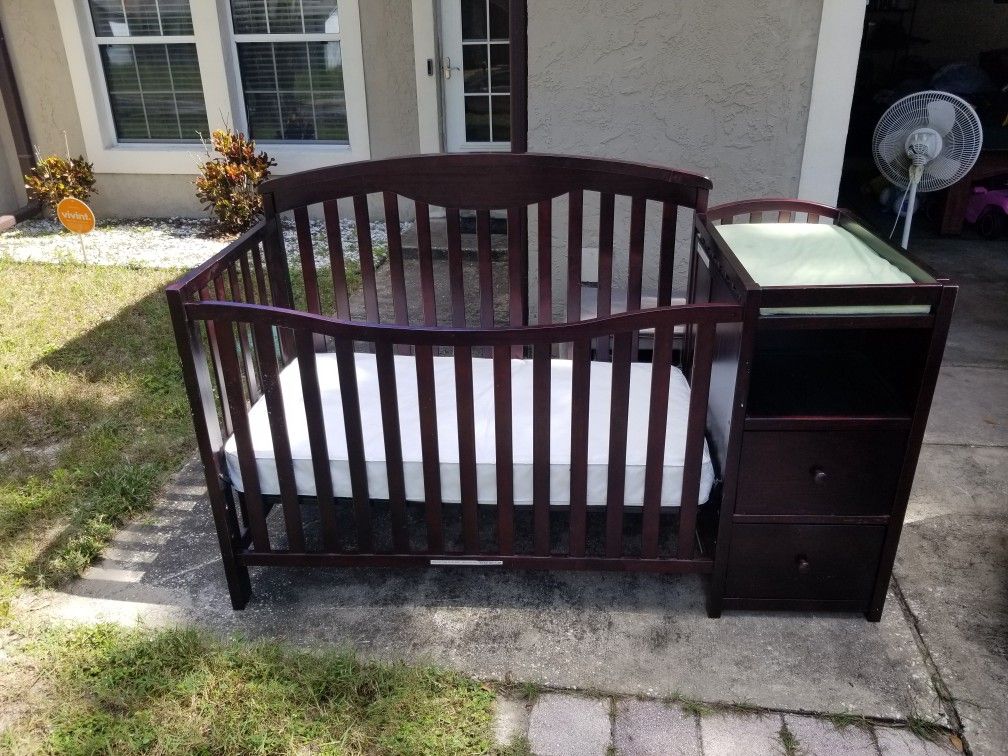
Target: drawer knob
column 802, row 563
column 818, row 475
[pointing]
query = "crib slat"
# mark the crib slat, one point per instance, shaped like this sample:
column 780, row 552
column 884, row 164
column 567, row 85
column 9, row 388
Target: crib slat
column 426, row 259
column 661, row 369
column 607, row 210
column 260, row 275
column 278, row 433
column 248, row 284
column 756, row 216
column 785, row 216
column 541, row 448
column 429, row 447
column 305, row 345
column 243, row 439
column 485, row 268
column 580, row 391
column 244, row 336
column 350, row 396
column 504, row 449
column 666, row 255
column 620, row 407
column 517, row 272
column 341, row 298
column 813, row 217
column 575, row 223
column 635, row 264
column 213, row 342
column 455, row 280
column 465, row 410
column 365, row 252
column 392, row 434
column 695, row 430
column 397, row 274
column 545, row 261
column 307, row 252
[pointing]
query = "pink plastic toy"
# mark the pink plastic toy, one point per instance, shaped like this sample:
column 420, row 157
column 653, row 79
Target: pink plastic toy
column 988, row 209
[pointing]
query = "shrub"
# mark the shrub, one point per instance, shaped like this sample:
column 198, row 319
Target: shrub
column 227, row 184
column 55, row 178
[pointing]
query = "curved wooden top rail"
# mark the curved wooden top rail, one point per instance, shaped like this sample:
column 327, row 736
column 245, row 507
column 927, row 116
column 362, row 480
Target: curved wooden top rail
column 657, row 317
column 487, row 180
column 782, row 204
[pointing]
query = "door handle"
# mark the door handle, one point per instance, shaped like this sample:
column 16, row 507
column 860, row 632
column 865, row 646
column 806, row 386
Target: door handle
column 447, row 68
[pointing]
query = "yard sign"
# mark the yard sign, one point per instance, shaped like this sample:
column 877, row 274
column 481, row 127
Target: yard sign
column 76, row 216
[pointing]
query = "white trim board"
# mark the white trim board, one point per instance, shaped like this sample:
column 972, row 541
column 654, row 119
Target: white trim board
column 428, row 86
column 221, row 91
column 836, row 63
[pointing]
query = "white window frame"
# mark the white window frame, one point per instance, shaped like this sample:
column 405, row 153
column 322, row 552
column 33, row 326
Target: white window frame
column 222, row 93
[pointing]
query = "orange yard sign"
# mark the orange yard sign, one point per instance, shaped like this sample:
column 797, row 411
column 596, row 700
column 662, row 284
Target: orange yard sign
column 75, row 216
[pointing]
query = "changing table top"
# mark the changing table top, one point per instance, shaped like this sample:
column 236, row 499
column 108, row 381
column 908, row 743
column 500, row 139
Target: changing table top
column 813, row 254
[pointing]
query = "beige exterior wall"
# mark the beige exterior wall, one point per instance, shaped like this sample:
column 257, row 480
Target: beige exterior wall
column 40, row 64
column 720, row 88
column 387, row 36
column 12, row 194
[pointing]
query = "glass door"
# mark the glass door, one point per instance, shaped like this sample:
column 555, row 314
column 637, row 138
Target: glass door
column 475, row 64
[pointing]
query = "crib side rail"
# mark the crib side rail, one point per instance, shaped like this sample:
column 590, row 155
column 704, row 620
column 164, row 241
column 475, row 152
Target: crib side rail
column 659, row 544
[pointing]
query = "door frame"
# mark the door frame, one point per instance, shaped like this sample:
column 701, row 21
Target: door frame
column 427, row 67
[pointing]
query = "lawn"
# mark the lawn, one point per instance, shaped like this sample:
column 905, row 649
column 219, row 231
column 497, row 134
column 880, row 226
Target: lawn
column 93, row 421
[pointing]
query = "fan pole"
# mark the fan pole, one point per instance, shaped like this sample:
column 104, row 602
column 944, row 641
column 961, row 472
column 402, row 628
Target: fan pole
column 915, row 176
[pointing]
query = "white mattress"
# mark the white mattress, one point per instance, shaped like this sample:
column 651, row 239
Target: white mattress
column 524, row 415
column 813, row 254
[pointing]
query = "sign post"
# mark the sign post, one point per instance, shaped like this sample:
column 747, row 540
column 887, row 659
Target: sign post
column 77, row 217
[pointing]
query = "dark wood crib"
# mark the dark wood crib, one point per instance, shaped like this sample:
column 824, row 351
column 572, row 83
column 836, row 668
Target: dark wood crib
column 458, row 410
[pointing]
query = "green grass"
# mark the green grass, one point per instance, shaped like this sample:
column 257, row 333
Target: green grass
column 788, row 741
column 178, row 692
column 93, row 420
column 93, row 415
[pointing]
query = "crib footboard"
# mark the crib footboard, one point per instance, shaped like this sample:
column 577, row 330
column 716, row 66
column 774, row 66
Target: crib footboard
column 435, row 459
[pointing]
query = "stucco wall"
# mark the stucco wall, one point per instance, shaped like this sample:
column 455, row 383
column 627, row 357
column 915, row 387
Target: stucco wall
column 387, row 39
column 12, row 196
column 40, row 63
column 721, row 87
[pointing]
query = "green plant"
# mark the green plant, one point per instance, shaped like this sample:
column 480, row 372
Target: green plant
column 788, row 741
column 55, row 178
column 227, row 184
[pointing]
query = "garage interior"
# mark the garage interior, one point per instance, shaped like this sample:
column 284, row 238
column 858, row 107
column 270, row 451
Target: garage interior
column 959, row 46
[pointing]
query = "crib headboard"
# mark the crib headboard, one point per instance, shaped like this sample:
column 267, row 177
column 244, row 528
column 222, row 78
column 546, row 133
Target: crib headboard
column 490, row 209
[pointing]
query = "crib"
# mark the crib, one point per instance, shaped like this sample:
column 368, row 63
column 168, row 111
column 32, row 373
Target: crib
column 459, row 408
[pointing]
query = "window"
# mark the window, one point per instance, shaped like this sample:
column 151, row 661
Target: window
column 150, row 76
column 290, row 64
column 486, row 70
column 151, row 72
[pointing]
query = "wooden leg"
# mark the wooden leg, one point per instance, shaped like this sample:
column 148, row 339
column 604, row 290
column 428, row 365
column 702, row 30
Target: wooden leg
column 239, row 585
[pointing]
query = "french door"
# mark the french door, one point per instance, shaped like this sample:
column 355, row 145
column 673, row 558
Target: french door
column 475, row 65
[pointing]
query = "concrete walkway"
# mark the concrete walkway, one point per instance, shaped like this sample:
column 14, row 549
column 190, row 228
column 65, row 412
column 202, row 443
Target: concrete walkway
column 940, row 653
column 562, row 724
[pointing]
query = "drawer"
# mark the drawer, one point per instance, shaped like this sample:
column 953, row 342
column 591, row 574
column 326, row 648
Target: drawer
column 819, row 472
column 804, row 562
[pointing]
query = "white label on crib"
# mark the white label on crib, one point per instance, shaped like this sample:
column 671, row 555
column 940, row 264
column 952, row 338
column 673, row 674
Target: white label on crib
column 466, row 562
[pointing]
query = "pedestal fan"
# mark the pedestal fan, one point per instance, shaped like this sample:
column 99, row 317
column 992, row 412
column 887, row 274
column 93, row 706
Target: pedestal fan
column 925, row 142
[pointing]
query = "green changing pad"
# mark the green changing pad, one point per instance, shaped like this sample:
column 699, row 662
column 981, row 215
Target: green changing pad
column 811, row 254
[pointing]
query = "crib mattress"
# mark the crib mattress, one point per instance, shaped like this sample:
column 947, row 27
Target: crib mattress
column 524, row 415
column 813, row 254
